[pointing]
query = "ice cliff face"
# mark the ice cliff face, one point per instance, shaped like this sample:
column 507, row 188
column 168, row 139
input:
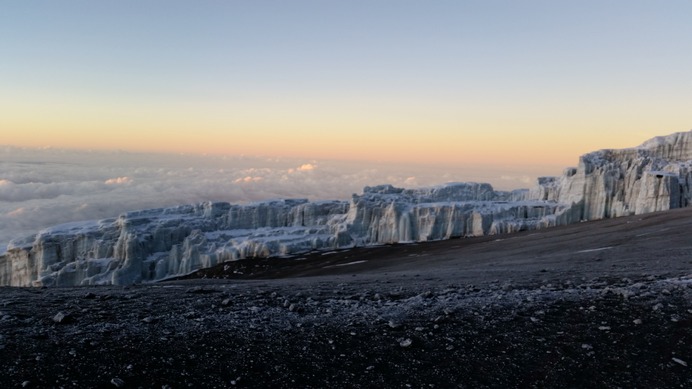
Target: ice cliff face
column 655, row 176
column 160, row 243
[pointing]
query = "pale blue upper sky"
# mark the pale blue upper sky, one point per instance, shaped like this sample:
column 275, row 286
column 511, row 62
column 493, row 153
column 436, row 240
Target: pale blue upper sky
column 605, row 68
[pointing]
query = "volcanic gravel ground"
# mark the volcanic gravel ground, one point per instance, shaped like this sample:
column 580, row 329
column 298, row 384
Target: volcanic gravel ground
column 602, row 304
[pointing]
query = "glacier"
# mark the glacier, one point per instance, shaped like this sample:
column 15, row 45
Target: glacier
column 156, row 244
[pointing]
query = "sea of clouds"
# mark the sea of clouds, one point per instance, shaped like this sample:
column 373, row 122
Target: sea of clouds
column 45, row 187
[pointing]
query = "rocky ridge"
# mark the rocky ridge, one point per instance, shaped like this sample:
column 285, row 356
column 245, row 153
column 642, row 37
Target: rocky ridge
column 157, row 244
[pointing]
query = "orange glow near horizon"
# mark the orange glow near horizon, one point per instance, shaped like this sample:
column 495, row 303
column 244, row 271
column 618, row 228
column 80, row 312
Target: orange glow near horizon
column 394, row 129
column 426, row 135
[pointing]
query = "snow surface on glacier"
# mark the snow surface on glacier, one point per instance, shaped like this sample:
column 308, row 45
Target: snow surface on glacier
column 160, row 243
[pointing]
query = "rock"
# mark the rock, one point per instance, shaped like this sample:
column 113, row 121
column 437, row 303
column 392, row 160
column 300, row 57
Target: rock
column 117, row 382
column 406, row 342
column 63, row 318
column 679, row 361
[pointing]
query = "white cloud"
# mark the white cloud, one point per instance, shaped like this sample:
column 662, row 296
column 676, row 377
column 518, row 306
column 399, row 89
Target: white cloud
column 524, row 179
column 306, row 167
column 17, row 212
column 411, row 181
column 118, row 181
column 247, row 179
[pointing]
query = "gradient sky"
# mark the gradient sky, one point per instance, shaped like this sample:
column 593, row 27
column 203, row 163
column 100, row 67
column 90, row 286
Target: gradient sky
column 450, row 82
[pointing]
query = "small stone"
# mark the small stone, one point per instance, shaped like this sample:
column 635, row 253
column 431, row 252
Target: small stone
column 393, row 324
column 117, row 382
column 26, row 384
column 226, row 302
column 586, row 346
column 62, row 318
column 604, row 328
column 637, row 321
column 292, row 308
column 148, row 320
column 89, row 296
column 679, row 361
column 406, row 342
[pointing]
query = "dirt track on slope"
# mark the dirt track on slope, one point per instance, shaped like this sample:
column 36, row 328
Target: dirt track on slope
column 598, row 304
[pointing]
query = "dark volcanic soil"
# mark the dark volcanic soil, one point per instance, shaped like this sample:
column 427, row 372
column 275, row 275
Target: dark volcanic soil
column 599, row 304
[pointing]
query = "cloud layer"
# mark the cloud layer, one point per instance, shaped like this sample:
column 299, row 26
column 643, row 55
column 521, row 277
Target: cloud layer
column 41, row 188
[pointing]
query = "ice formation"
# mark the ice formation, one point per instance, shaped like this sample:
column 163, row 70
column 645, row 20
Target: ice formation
column 156, row 244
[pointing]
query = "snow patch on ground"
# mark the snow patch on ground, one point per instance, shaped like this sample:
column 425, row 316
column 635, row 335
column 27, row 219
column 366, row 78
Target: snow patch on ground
column 594, row 250
column 345, row 264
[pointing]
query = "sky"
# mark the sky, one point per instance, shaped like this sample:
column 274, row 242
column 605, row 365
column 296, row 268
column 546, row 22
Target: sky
column 108, row 106
column 432, row 82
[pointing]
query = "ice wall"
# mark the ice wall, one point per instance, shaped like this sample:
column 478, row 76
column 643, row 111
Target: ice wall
column 159, row 243
column 655, row 176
